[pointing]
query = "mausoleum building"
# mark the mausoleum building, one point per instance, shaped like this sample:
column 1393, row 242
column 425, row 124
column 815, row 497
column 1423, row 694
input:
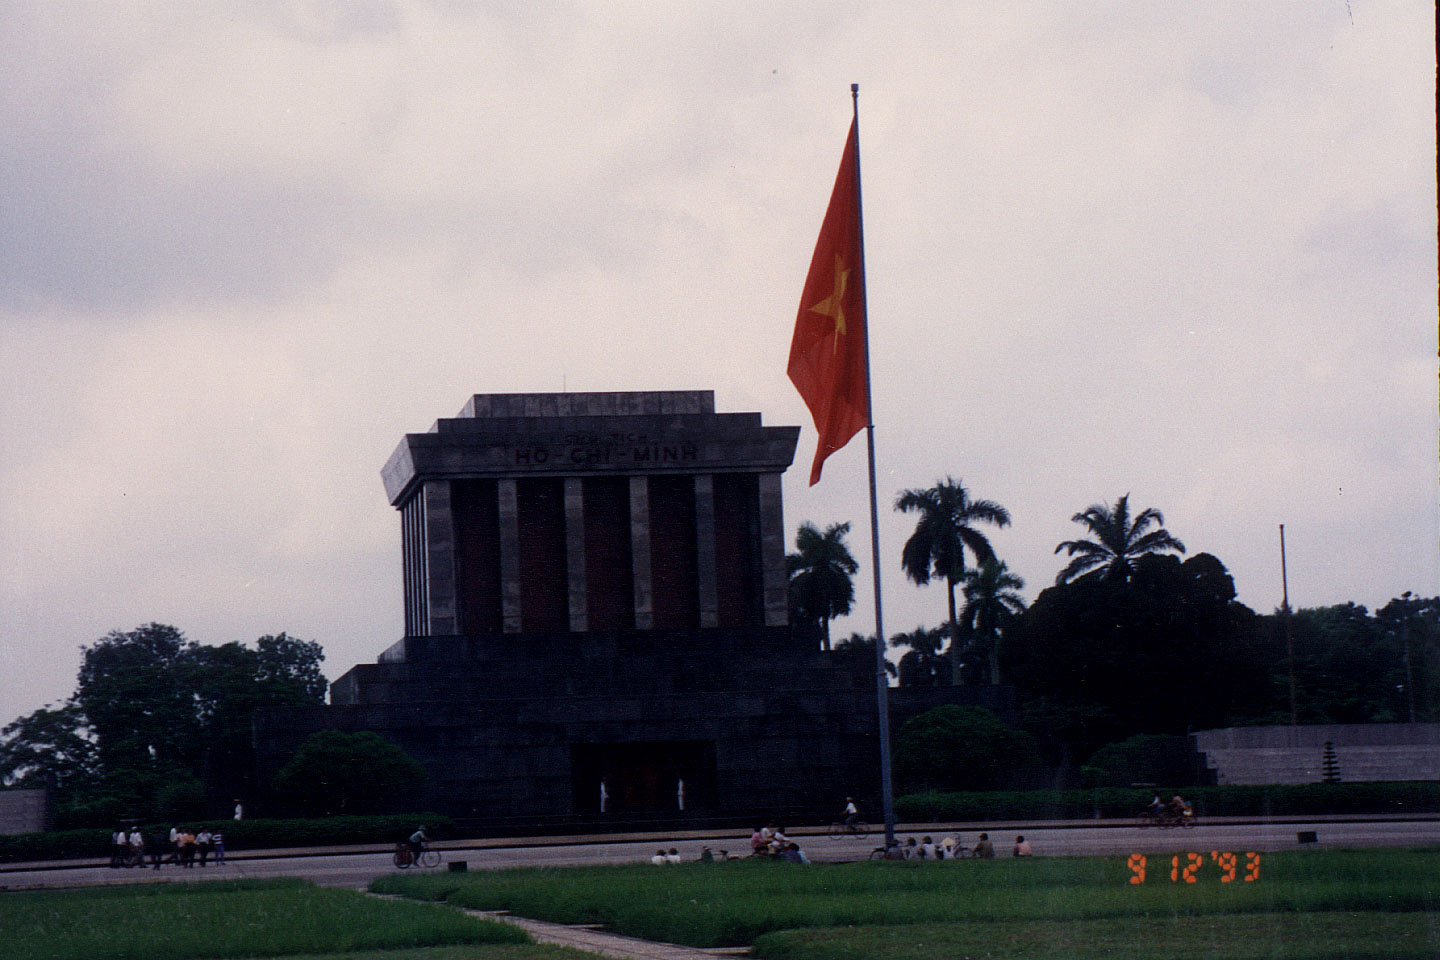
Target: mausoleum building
column 596, row 616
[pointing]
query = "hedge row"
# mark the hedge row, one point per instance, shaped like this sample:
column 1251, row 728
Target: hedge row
column 239, row 835
column 1315, row 799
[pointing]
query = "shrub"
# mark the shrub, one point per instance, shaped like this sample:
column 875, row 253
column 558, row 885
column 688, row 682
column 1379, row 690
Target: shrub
column 954, row 747
column 335, row 772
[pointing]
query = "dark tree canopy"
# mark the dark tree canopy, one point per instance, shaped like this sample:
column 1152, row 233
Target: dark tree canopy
column 1167, row 651
column 1350, row 667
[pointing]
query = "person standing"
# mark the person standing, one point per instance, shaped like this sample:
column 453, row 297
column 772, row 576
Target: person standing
column 186, row 847
column 218, row 840
column 204, row 841
column 136, row 845
column 117, row 847
column 680, row 794
column 604, row 795
column 156, row 843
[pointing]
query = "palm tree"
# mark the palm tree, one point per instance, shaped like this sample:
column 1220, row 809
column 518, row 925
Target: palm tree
column 1118, row 540
column 921, row 666
column 991, row 602
column 820, row 572
column 855, row 642
column 942, row 535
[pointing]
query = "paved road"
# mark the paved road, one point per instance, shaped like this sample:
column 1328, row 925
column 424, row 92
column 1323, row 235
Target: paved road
column 358, row 869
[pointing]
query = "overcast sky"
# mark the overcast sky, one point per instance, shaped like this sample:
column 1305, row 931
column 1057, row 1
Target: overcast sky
column 1185, row 252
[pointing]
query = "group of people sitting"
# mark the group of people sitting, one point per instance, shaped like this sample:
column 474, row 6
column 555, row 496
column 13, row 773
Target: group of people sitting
column 950, row 848
column 663, row 857
column 770, row 841
column 128, row 848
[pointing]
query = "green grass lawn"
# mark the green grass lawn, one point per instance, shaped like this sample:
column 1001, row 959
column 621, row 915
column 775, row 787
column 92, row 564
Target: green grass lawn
column 1263, row 936
column 976, row 908
column 222, row 919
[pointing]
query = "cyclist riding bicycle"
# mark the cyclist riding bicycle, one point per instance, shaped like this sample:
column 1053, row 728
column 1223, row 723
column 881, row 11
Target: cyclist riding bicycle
column 852, row 813
column 417, row 841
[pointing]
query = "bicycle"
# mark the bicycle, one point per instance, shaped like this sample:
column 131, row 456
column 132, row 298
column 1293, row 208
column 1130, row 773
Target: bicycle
column 405, row 856
column 1167, row 819
column 840, row 829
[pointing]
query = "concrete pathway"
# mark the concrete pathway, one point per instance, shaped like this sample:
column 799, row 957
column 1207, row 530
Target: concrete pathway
column 591, row 939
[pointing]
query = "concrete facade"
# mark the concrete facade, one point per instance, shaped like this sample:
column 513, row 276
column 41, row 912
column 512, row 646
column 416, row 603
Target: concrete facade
column 595, row 592
column 23, row 811
column 1368, row 752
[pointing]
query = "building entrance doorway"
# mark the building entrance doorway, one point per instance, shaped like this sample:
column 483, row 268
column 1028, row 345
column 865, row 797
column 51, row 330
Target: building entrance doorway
column 651, row 776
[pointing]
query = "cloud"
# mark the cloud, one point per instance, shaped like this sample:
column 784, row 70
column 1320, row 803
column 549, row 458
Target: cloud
column 1184, row 253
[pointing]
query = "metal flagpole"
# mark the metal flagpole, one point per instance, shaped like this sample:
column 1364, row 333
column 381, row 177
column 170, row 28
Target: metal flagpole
column 882, row 677
column 1289, row 637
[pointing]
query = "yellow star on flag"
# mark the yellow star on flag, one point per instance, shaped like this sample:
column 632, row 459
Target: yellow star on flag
column 834, row 305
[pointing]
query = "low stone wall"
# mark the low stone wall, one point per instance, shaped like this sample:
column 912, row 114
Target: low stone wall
column 22, row 811
column 1365, row 753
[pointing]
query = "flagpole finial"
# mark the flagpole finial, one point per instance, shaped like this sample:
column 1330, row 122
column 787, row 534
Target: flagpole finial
column 854, row 88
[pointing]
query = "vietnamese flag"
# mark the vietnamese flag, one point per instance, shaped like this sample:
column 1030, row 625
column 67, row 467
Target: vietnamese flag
column 827, row 353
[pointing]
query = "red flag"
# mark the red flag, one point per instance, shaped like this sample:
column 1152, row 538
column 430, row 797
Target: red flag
column 827, row 353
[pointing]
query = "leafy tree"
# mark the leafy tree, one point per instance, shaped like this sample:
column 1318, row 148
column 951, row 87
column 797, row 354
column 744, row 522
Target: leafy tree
column 48, row 748
column 154, row 716
column 944, row 531
column 992, row 602
column 923, row 666
column 1144, row 758
column 335, row 772
column 1168, row 651
column 1415, row 623
column 1348, row 667
column 961, row 748
column 820, row 572
column 132, row 689
column 1118, row 540
column 230, row 682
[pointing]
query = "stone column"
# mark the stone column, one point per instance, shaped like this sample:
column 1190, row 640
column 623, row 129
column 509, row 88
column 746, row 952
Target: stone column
column 575, row 553
column 509, row 556
column 705, row 550
column 776, row 586
column 640, row 551
column 439, row 558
